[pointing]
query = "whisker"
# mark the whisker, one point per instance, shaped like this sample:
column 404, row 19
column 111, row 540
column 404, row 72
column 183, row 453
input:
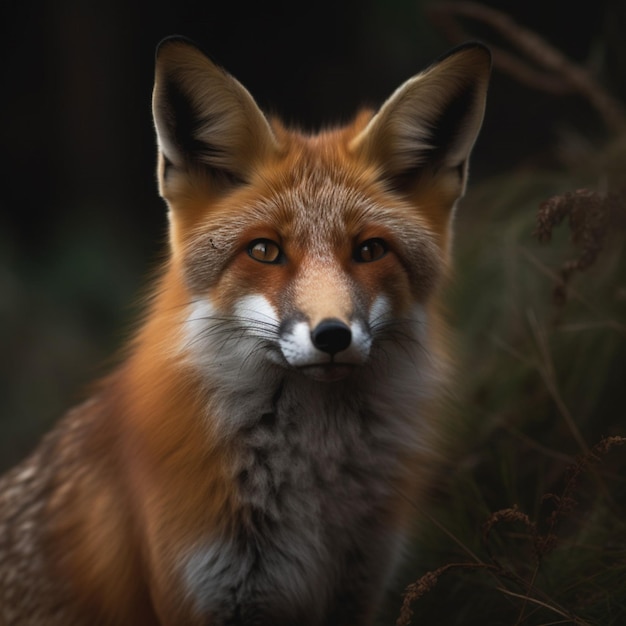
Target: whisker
column 399, row 332
column 225, row 330
column 261, row 346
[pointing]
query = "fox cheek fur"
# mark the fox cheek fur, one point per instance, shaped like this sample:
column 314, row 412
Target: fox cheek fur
column 258, row 456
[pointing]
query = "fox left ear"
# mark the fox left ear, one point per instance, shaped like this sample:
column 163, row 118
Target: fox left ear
column 431, row 122
column 206, row 121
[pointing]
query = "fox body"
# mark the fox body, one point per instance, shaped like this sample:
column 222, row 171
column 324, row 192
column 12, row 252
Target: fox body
column 251, row 459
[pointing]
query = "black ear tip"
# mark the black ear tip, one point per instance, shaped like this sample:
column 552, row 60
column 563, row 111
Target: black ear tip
column 477, row 46
column 174, row 40
column 481, row 48
column 182, row 42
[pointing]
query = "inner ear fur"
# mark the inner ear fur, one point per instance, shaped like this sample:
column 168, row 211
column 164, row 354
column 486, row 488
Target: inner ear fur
column 430, row 123
column 204, row 118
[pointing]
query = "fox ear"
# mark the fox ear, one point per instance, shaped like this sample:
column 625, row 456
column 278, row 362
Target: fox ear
column 205, row 120
column 431, row 122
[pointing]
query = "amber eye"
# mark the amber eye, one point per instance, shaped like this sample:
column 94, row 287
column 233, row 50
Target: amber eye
column 265, row 251
column 370, row 250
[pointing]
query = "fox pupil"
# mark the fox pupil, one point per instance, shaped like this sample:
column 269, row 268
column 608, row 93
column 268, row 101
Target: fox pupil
column 370, row 250
column 265, row 251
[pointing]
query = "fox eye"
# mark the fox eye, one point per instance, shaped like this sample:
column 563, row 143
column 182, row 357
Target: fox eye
column 265, row 251
column 370, row 250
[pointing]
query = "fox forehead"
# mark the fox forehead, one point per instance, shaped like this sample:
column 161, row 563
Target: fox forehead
column 311, row 186
column 317, row 205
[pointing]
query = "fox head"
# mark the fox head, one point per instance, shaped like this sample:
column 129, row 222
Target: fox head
column 310, row 253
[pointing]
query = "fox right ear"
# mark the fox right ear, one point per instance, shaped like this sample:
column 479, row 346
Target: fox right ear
column 205, row 120
column 431, row 121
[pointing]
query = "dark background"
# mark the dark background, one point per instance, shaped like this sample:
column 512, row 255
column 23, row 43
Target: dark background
column 81, row 224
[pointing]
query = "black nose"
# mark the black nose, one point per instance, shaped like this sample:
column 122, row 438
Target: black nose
column 331, row 336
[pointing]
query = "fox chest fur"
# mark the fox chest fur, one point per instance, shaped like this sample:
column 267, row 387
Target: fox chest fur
column 259, row 453
column 313, row 478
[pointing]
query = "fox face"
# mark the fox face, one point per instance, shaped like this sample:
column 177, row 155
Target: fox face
column 318, row 271
column 312, row 254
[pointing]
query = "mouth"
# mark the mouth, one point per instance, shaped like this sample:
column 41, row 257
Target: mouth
column 327, row 372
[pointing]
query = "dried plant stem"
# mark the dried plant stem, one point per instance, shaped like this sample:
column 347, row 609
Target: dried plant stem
column 593, row 217
column 454, row 538
column 573, row 619
column 560, row 74
column 427, row 582
column 572, row 292
column 527, row 599
column 546, row 369
column 543, row 544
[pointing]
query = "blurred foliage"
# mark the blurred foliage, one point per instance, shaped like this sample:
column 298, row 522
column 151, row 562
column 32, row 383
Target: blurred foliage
column 58, row 323
column 541, row 380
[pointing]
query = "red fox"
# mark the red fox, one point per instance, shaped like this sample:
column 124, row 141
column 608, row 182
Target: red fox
column 250, row 460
